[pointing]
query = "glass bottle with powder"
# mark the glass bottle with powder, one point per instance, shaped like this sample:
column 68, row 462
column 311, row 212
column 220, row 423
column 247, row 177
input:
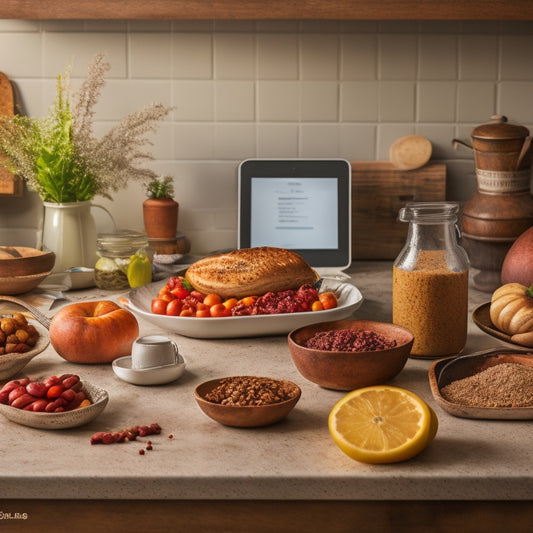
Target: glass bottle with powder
column 430, row 280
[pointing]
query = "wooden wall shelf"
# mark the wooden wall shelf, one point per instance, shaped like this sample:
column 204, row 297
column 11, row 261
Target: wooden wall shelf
column 512, row 10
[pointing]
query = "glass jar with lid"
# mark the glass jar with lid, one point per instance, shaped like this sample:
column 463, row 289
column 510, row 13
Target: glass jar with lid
column 430, row 280
column 115, row 252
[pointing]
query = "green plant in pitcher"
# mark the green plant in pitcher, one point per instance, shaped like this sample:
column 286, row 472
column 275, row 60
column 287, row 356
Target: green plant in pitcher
column 58, row 155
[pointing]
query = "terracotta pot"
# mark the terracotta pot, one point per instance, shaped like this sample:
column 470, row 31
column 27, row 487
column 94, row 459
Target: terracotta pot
column 160, row 218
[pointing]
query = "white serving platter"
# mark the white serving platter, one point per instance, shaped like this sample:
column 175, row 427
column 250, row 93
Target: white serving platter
column 139, row 301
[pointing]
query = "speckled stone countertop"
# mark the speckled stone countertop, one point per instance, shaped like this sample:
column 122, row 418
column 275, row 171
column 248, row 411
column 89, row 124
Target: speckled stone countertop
column 294, row 459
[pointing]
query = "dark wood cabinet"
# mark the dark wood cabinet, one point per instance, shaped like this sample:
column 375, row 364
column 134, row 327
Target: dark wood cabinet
column 269, row 9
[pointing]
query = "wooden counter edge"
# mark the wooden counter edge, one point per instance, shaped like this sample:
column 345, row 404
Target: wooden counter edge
column 265, row 516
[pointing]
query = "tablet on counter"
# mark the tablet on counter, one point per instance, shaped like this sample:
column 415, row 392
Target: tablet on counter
column 303, row 205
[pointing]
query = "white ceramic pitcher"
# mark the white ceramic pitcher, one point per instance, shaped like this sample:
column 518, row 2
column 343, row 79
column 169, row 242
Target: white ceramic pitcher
column 69, row 230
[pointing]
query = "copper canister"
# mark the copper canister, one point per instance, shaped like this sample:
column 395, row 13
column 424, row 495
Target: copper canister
column 502, row 207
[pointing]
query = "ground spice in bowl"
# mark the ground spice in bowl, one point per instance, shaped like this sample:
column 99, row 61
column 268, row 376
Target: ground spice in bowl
column 251, row 391
column 502, row 385
column 349, row 340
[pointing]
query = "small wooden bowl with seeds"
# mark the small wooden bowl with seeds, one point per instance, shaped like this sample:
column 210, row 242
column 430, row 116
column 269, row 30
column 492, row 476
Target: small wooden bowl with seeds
column 247, row 401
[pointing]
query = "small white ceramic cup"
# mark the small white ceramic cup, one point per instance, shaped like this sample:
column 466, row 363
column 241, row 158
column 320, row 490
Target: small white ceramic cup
column 153, row 350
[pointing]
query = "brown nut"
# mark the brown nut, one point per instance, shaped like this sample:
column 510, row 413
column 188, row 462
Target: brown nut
column 20, row 319
column 22, row 335
column 8, row 325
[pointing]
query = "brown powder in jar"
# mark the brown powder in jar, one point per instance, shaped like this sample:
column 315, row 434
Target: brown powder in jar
column 432, row 302
column 502, row 385
column 251, row 391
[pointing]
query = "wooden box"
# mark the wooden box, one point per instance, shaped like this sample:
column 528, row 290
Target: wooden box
column 379, row 190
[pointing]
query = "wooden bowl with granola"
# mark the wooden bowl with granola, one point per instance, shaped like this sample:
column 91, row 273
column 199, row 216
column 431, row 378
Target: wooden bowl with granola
column 247, row 401
column 349, row 354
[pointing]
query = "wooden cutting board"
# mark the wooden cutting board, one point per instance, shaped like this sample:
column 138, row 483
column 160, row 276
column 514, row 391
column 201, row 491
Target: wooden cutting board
column 9, row 184
column 379, row 190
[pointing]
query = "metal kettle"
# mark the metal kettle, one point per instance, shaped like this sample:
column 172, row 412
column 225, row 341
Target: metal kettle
column 502, row 207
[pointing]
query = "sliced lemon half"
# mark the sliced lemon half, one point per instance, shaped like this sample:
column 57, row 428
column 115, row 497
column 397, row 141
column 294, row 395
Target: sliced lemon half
column 382, row 424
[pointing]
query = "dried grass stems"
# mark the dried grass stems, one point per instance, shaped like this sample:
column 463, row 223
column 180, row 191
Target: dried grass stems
column 58, row 155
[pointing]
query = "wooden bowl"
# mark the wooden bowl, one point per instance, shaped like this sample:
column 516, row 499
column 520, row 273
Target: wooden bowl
column 17, row 261
column 244, row 416
column 445, row 371
column 20, row 284
column 350, row 370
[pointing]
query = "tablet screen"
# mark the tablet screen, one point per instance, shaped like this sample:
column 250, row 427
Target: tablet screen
column 301, row 205
column 295, row 218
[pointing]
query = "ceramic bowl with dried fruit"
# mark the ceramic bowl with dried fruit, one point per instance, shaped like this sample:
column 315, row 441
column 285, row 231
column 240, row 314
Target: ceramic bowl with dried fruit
column 247, row 401
column 20, row 341
column 95, row 401
column 348, row 354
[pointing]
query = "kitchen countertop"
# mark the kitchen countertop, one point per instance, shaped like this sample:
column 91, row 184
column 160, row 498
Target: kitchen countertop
column 292, row 460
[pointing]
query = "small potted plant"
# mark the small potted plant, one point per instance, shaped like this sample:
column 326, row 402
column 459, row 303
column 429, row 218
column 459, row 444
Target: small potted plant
column 160, row 210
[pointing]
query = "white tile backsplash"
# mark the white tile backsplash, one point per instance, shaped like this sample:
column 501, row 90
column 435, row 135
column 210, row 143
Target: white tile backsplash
column 398, row 57
column 319, row 56
column 21, row 54
column 443, row 92
column 277, row 56
column 438, row 57
column 235, row 101
column 193, row 100
column 234, row 55
column 278, row 101
column 359, row 101
column 478, row 57
column 319, row 101
column 273, row 89
column 192, row 56
column 476, row 101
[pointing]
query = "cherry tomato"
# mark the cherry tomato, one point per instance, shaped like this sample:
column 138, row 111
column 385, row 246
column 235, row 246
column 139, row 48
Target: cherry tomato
column 248, row 300
column 328, row 300
column 164, row 290
column 230, row 303
column 174, row 307
column 180, row 292
column 212, row 299
column 203, row 313
column 159, row 306
column 219, row 310
column 317, row 306
column 187, row 312
column 168, row 297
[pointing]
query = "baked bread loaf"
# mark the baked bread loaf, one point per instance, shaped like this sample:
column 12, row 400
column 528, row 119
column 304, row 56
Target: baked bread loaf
column 250, row 272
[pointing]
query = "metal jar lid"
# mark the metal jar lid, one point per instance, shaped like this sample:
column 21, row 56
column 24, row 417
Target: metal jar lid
column 499, row 129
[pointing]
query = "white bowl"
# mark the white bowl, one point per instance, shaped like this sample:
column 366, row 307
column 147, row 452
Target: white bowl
column 67, row 419
column 156, row 375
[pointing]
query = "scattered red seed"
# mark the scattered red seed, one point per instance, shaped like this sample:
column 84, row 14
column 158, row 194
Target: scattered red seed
column 141, row 452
